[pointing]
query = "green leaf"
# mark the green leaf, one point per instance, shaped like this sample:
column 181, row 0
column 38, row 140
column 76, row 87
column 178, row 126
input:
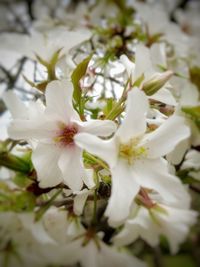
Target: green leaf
column 110, row 103
column 76, row 76
column 15, row 163
column 194, row 114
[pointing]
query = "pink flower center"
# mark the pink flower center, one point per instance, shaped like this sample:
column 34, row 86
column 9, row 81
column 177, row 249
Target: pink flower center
column 65, row 135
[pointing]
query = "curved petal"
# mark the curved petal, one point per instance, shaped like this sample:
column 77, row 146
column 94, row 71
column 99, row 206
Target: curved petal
column 124, row 189
column 32, row 129
column 158, row 55
column 128, row 65
column 45, row 159
column 176, row 156
column 16, row 107
column 55, row 224
column 154, row 174
column 109, row 257
column 105, row 149
column 140, row 226
column 59, row 100
column 97, row 127
column 134, row 123
column 176, row 225
column 70, row 164
column 165, row 96
column 143, row 64
column 192, row 160
column 88, row 178
column 166, row 137
column 80, row 200
column 36, row 228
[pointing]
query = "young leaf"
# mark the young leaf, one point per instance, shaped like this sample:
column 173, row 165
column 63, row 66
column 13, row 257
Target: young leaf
column 194, row 114
column 76, row 76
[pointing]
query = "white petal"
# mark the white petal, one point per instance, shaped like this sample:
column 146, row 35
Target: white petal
column 124, row 189
column 165, row 96
column 176, row 156
column 16, row 107
column 154, row 174
column 98, row 127
column 39, row 129
column 192, row 160
column 92, row 250
column 88, row 178
column 140, row 226
column 126, row 236
column 111, row 257
column 45, row 159
column 55, row 223
column 166, row 137
column 175, row 226
column 59, row 100
column 143, row 64
column 134, row 123
column 79, row 201
column 129, row 65
column 36, row 228
column 158, row 54
column 189, row 94
column 70, row 164
column 105, row 149
column 75, row 229
column 20, row 45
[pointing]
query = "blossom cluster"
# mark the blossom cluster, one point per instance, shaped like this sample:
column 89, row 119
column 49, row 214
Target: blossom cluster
column 101, row 143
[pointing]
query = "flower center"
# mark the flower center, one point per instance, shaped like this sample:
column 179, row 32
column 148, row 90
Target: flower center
column 65, row 135
column 132, row 151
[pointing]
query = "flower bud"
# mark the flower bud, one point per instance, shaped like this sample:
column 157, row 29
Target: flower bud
column 156, row 82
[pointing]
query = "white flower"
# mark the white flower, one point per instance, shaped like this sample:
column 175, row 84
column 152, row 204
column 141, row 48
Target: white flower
column 55, row 227
column 20, row 248
column 189, row 19
column 135, row 158
column 90, row 251
column 45, row 44
column 75, row 243
column 144, row 66
column 20, row 110
column 192, row 162
column 151, row 223
column 57, row 158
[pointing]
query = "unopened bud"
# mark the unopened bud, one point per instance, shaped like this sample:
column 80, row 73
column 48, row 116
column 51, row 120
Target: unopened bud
column 156, row 82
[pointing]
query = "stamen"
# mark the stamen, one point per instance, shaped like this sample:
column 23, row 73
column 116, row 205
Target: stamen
column 65, row 135
column 132, row 150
